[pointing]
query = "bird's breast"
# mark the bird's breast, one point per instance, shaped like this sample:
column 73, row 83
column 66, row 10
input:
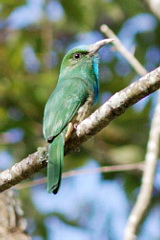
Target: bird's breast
column 82, row 113
column 84, row 110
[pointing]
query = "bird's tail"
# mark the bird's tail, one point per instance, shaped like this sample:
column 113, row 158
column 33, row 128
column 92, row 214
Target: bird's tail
column 55, row 163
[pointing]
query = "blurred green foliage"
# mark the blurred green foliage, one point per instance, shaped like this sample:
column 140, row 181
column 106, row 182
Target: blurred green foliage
column 23, row 92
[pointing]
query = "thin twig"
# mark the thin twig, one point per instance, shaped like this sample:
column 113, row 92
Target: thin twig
column 154, row 7
column 146, row 189
column 110, row 110
column 119, row 46
column 116, row 168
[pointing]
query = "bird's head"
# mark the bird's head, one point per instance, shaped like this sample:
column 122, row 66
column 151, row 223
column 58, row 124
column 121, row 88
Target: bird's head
column 82, row 58
column 82, row 62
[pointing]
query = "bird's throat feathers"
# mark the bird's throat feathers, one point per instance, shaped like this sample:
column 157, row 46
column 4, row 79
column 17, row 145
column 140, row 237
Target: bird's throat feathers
column 96, row 72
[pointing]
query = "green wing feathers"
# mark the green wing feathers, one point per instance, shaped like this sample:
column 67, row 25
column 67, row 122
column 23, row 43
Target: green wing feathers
column 55, row 163
column 61, row 107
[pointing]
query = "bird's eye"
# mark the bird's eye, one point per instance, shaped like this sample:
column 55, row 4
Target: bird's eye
column 77, row 55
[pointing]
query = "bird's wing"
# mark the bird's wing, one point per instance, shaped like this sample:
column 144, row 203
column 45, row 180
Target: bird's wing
column 62, row 105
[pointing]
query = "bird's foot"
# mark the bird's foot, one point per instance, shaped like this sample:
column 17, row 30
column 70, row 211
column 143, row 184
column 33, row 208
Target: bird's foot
column 69, row 131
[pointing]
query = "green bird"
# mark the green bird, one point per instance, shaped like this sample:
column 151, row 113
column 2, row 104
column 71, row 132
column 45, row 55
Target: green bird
column 76, row 91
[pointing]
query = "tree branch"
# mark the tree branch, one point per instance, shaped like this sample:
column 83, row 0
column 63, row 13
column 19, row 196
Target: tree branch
column 146, row 189
column 144, row 197
column 119, row 46
column 12, row 223
column 154, row 6
column 110, row 110
column 115, row 168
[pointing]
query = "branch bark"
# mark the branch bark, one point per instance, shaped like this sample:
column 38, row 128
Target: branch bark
column 110, row 110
